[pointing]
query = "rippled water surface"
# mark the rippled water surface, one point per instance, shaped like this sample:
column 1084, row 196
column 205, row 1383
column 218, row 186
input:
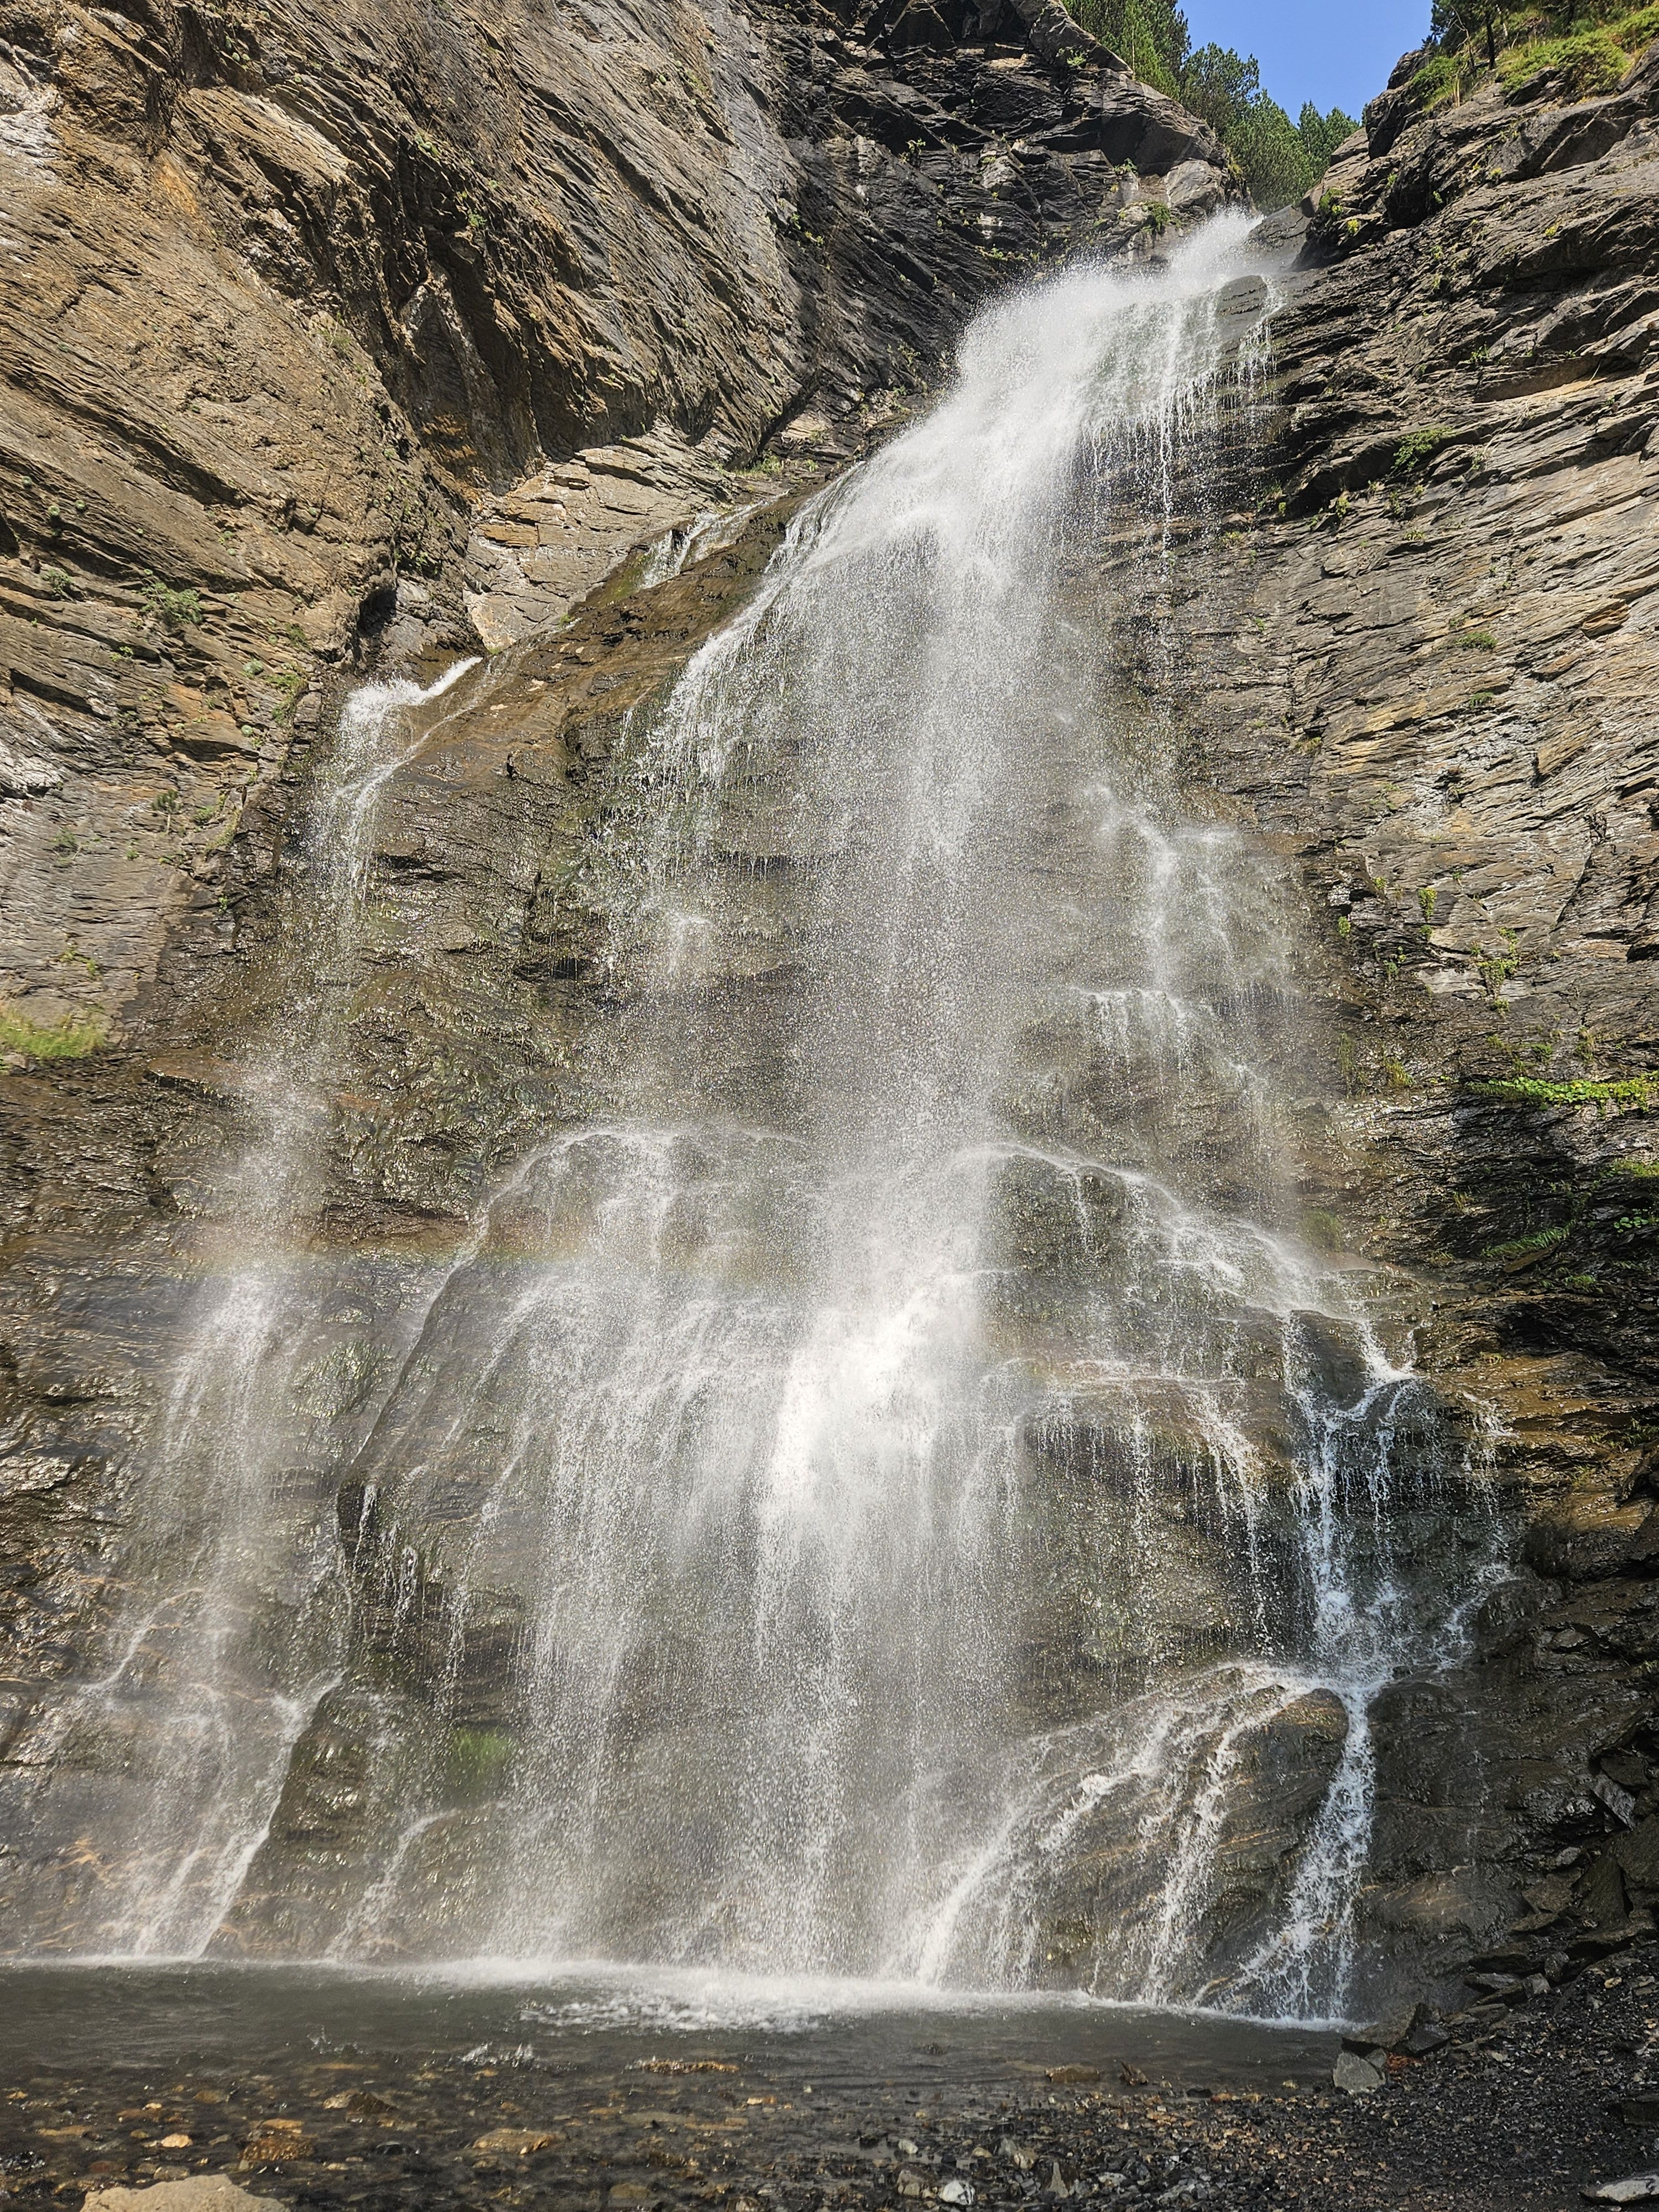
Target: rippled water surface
column 601, row 2024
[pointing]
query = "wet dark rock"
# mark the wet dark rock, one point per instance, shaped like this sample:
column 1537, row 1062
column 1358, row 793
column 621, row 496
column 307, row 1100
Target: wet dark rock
column 1355, row 2074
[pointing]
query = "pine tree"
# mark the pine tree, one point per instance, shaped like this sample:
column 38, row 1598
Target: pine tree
column 1280, row 160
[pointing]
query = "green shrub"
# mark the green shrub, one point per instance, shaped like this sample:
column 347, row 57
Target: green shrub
column 173, row 610
column 1418, row 448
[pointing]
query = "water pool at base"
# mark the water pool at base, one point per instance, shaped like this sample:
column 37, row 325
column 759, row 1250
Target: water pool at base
column 602, row 2025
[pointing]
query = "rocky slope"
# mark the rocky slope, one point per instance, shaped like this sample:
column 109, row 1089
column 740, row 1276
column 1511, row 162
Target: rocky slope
column 1434, row 687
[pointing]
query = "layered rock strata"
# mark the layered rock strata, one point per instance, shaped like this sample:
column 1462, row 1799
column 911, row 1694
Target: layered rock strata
column 1434, row 689
column 304, row 302
column 395, row 334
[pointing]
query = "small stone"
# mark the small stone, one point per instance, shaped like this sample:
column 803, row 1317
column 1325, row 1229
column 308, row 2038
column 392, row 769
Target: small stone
column 1619, row 1802
column 1131, row 2076
column 1510, row 1987
column 1634, row 2189
column 516, row 2143
column 956, row 2191
column 274, row 2141
column 364, row 2105
column 1355, row 2075
column 174, row 2142
column 1388, row 2033
column 1074, row 2073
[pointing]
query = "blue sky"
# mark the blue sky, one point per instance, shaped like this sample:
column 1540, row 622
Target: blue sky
column 1336, row 56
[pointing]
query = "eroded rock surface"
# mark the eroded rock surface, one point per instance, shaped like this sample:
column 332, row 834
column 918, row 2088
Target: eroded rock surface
column 1434, row 689
column 303, row 302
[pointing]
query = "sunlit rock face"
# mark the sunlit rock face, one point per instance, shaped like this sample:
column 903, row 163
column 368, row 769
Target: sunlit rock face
column 1436, row 697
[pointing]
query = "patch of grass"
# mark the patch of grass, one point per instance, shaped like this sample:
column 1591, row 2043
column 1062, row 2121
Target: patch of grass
column 1585, row 62
column 1636, row 1091
column 1440, row 81
column 1540, row 1240
column 1426, row 899
column 1475, row 640
column 1324, row 1230
column 1495, row 969
column 287, row 684
column 72, row 1038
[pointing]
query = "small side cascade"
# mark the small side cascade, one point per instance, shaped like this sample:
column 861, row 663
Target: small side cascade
column 236, row 1620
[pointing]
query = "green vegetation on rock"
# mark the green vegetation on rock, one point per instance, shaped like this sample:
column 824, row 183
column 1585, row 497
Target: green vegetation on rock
column 71, row 1038
column 1636, row 1090
column 476, row 1764
column 1579, row 47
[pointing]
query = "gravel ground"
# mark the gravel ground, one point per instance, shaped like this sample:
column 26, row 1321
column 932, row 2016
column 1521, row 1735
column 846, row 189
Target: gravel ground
column 1521, row 2112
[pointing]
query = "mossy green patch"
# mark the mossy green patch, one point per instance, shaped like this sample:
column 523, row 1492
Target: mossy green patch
column 476, row 1763
column 1632, row 1091
column 71, row 1038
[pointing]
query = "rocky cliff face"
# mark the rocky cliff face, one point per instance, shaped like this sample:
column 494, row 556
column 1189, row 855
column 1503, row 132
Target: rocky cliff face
column 360, row 338
column 306, row 306
column 1435, row 691
column 355, row 339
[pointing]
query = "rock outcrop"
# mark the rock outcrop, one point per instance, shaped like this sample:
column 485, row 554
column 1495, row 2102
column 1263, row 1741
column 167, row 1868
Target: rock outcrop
column 1432, row 685
column 307, row 304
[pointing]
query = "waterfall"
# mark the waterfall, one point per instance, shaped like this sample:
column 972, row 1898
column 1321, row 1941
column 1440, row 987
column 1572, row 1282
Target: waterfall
column 890, row 1488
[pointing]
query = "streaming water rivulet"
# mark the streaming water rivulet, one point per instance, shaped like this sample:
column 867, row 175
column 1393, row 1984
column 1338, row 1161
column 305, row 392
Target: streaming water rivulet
column 894, row 1488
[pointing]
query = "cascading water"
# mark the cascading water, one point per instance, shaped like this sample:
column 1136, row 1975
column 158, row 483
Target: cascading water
column 235, row 1626
column 879, row 1493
